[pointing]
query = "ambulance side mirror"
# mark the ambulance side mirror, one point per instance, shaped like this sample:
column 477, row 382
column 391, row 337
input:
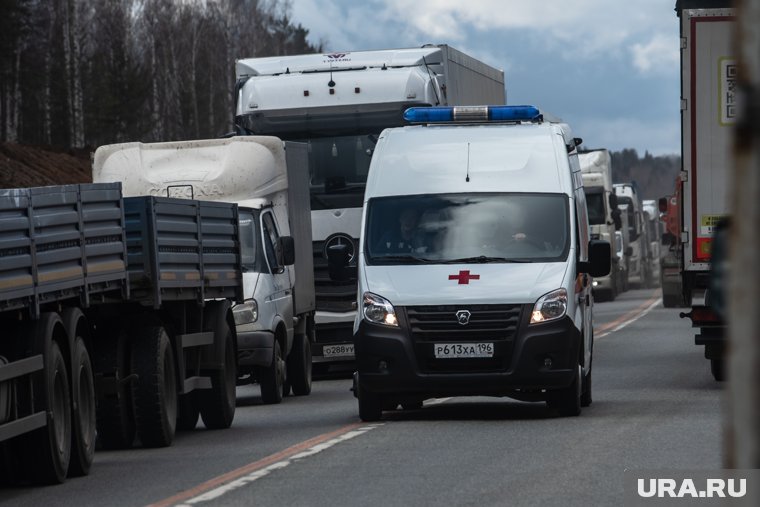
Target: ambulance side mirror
column 599, row 258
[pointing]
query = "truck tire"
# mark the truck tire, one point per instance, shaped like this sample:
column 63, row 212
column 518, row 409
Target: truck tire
column 299, row 365
column 218, row 403
column 272, row 378
column 718, row 369
column 115, row 412
column 82, row 410
column 155, row 390
column 49, row 448
column 188, row 411
column 370, row 405
column 671, row 300
column 567, row 402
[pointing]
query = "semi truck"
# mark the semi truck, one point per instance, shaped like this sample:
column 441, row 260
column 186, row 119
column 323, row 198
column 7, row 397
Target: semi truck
column 338, row 103
column 117, row 319
column 603, row 215
column 654, row 231
column 269, row 182
column 670, row 263
column 708, row 113
column 629, row 202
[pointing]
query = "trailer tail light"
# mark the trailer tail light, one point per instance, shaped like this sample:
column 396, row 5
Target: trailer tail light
column 702, row 316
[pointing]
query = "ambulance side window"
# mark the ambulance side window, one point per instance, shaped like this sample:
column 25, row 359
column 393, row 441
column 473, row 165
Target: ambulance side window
column 581, row 224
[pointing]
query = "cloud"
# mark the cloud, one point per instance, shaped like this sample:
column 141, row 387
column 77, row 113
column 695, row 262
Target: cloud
column 660, row 52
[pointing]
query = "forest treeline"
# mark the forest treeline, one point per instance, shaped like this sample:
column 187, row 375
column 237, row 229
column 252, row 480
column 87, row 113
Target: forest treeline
column 81, row 73
column 76, row 74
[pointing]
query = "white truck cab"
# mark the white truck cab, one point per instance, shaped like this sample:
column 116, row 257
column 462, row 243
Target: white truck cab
column 490, row 293
column 275, row 323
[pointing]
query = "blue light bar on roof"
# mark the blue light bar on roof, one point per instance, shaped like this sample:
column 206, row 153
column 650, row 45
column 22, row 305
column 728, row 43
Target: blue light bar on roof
column 471, row 114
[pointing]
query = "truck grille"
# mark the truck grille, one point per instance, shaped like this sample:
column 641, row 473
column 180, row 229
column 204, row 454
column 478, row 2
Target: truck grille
column 497, row 324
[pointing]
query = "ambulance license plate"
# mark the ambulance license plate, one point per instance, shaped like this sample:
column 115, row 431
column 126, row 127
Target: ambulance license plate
column 342, row 350
column 462, row 350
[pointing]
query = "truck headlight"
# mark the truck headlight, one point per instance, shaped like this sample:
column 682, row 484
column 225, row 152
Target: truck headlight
column 378, row 310
column 246, row 313
column 550, row 306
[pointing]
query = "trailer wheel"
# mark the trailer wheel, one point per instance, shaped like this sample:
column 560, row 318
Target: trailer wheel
column 83, row 411
column 188, row 410
column 567, row 402
column 299, row 365
column 155, row 390
column 49, row 448
column 218, row 403
column 272, row 378
column 115, row 412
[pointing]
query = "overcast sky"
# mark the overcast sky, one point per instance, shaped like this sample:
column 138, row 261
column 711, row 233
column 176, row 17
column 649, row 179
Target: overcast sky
column 609, row 69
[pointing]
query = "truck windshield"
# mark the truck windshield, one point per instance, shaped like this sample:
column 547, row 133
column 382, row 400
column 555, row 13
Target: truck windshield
column 338, row 168
column 595, row 204
column 467, row 228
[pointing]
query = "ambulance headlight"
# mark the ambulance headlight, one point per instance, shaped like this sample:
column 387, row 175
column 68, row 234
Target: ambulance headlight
column 246, row 313
column 549, row 307
column 378, row 310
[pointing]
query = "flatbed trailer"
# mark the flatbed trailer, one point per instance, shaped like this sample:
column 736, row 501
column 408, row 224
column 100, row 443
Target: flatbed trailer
column 115, row 315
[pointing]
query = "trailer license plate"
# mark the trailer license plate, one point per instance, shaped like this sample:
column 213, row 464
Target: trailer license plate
column 462, row 350
column 342, row 350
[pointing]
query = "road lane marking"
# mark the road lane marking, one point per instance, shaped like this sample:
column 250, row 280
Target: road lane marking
column 629, row 318
column 218, row 486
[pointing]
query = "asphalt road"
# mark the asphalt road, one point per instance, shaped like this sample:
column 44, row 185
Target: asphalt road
column 655, row 406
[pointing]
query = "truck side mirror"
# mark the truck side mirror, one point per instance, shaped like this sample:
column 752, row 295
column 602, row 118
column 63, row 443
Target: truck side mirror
column 599, row 255
column 662, row 204
column 285, row 251
column 338, row 258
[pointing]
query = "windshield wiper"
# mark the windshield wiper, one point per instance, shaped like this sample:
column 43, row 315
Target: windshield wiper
column 414, row 258
column 482, row 259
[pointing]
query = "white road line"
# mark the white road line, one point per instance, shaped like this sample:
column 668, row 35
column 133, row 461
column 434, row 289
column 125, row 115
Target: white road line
column 216, row 493
column 629, row 321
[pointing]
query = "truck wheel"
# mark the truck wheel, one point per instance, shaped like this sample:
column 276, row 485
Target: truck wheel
column 671, row 300
column 82, row 410
column 218, row 403
column 718, row 369
column 299, row 365
column 114, row 412
column 155, row 390
column 49, row 447
column 188, row 411
column 370, row 405
column 567, row 402
column 272, row 378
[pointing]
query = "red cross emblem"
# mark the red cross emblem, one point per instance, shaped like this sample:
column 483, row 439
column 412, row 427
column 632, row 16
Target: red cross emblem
column 464, row 277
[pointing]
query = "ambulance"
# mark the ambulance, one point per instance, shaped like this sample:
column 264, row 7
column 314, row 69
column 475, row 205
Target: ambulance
column 490, row 294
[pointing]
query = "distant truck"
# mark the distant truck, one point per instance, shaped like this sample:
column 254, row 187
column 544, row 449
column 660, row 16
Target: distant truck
column 603, row 215
column 338, row 103
column 654, row 230
column 708, row 112
column 639, row 265
column 275, row 324
column 117, row 315
column 671, row 281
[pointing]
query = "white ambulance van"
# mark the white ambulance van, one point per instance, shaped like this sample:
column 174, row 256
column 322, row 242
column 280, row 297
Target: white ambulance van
column 475, row 265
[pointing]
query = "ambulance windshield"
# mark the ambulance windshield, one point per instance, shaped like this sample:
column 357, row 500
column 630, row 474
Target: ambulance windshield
column 451, row 228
